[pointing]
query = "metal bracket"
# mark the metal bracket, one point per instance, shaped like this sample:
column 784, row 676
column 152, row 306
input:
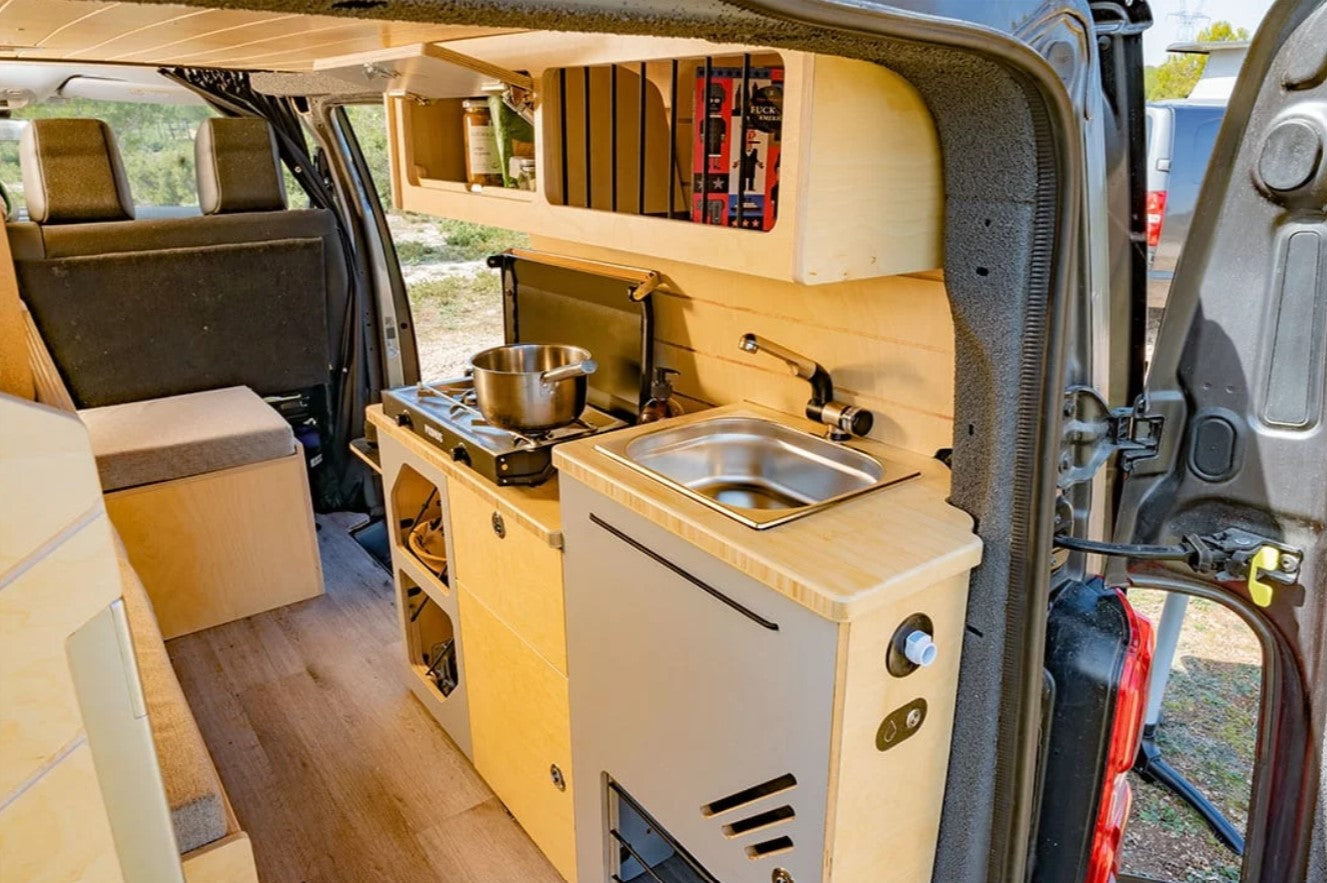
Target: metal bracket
column 1093, row 431
column 1234, row 555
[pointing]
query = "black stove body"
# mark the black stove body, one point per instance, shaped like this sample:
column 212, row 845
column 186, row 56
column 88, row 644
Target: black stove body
column 445, row 414
column 603, row 308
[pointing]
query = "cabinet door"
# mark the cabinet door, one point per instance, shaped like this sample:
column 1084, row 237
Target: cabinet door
column 516, row 574
column 705, row 695
column 520, row 727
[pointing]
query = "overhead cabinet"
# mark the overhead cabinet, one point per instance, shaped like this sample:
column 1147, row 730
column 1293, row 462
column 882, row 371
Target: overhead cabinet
column 800, row 167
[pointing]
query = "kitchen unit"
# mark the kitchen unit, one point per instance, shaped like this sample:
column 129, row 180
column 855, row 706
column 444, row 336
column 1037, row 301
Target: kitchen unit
column 729, row 702
column 500, row 604
column 744, row 704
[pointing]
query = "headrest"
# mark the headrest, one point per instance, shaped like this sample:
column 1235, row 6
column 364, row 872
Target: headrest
column 72, row 172
column 239, row 169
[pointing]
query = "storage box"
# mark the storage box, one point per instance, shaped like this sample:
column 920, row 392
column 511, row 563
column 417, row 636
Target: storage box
column 737, row 141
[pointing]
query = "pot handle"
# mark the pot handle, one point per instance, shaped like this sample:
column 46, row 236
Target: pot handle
column 567, row 372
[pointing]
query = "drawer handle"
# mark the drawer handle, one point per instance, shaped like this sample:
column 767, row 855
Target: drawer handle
column 499, row 526
column 698, row 583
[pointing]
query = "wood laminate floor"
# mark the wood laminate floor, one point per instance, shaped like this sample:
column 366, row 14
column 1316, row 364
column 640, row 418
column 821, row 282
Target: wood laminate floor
column 334, row 770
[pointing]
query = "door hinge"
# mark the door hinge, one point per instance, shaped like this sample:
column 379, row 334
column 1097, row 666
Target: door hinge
column 1093, row 431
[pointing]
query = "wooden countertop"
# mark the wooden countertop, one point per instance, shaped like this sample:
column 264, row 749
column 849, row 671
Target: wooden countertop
column 840, row 562
column 538, row 508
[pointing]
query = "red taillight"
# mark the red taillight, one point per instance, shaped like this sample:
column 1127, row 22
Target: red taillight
column 1126, row 729
column 1156, row 214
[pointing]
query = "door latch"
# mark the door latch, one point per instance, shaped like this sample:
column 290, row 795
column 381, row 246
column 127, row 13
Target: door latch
column 1093, row 431
column 1234, row 554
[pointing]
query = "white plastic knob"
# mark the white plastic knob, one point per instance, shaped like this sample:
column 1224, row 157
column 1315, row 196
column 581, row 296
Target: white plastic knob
column 919, row 648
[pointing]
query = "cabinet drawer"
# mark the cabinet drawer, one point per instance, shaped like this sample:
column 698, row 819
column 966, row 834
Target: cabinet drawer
column 512, row 570
column 521, row 727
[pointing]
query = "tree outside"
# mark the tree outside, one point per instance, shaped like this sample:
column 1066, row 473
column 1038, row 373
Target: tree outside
column 1177, row 75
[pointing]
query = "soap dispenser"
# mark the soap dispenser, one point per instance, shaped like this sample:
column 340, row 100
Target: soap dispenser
column 661, row 403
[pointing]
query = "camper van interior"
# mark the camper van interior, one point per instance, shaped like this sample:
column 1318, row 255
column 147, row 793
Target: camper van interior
column 716, row 564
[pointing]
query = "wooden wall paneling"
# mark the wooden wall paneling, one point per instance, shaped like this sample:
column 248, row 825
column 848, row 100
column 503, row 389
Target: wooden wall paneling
column 224, row 545
column 888, row 342
column 520, row 719
column 48, row 479
column 91, row 30
column 40, row 607
column 15, row 372
column 56, row 829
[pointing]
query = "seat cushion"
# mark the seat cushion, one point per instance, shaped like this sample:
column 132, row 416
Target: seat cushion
column 157, row 440
column 193, row 788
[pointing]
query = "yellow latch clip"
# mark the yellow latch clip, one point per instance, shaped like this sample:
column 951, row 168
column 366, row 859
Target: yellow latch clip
column 1267, row 558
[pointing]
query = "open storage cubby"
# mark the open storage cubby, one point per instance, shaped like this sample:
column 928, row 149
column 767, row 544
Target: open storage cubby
column 431, row 644
column 626, row 137
column 418, row 503
column 859, row 188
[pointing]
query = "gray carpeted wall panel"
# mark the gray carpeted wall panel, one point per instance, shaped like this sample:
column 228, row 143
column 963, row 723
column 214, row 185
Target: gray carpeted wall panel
column 995, row 171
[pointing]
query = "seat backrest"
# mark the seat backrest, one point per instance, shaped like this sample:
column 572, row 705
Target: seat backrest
column 140, row 309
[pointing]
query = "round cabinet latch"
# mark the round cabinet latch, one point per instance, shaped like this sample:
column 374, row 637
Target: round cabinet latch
column 780, row 875
column 499, row 526
column 555, row 774
column 912, row 646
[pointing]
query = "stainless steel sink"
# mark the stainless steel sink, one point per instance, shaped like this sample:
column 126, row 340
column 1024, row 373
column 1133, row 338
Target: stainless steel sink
column 756, row 471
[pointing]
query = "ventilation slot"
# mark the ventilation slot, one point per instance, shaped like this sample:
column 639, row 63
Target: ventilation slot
column 756, row 822
column 749, row 795
column 765, row 849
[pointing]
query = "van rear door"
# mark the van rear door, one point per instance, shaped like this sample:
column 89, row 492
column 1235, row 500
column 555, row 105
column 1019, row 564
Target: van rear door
column 1236, row 487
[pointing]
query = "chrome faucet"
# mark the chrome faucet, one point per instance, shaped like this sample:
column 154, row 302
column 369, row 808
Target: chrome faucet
column 844, row 420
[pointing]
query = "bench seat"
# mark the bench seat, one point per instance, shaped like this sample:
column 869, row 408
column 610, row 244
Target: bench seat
column 193, row 787
column 139, row 443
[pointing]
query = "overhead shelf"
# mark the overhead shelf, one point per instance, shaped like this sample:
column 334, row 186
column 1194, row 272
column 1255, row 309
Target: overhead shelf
column 859, row 190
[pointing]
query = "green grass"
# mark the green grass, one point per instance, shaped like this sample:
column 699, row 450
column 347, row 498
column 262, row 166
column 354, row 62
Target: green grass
column 415, row 251
column 470, row 242
column 1208, row 731
column 457, row 297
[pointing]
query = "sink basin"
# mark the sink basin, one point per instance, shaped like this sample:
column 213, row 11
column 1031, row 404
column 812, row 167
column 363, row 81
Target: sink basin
column 756, row 471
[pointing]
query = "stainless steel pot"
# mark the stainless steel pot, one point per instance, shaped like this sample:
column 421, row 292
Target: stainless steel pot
column 531, row 387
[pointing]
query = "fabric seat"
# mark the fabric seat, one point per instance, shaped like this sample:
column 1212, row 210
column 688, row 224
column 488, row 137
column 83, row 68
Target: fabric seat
column 157, row 440
column 193, row 787
column 139, row 309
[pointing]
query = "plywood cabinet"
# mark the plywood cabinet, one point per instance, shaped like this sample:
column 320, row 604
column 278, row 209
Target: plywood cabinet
column 516, row 573
column 860, row 190
column 758, row 734
column 520, row 723
column 501, row 606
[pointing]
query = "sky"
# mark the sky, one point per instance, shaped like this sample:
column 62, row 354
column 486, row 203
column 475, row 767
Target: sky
column 1167, row 28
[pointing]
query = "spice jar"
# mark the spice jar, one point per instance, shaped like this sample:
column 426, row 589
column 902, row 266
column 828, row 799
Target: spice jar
column 525, row 172
column 482, row 166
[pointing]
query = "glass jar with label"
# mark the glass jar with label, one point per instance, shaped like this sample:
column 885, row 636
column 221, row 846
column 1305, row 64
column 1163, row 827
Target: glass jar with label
column 482, row 166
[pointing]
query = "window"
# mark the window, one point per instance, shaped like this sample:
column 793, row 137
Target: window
column 455, row 299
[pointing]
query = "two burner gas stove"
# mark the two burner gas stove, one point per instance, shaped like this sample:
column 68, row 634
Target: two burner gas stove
column 447, row 415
